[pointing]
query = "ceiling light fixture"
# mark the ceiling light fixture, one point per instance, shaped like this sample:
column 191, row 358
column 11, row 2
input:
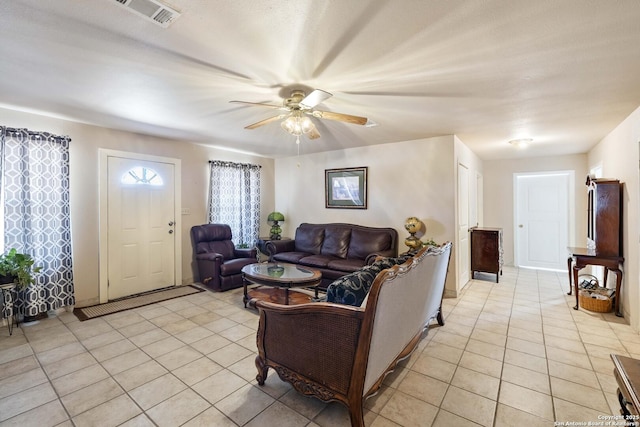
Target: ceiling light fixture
column 297, row 124
column 521, row 143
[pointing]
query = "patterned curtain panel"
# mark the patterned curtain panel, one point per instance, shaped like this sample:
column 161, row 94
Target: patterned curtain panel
column 34, row 176
column 234, row 199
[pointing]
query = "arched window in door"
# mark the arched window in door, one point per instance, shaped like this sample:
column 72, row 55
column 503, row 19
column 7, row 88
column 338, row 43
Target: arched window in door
column 141, row 175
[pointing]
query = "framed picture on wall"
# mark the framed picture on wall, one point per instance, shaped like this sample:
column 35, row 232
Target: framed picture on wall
column 346, row 188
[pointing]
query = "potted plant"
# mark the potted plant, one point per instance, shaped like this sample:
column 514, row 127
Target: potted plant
column 18, row 268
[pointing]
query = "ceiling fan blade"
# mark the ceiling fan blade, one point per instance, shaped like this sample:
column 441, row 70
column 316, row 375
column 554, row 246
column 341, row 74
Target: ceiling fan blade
column 265, row 121
column 314, row 98
column 313, row 133
column 355, row 120
column 259, row 104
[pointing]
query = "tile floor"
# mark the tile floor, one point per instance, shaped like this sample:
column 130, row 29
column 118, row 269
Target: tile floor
column 510, row 354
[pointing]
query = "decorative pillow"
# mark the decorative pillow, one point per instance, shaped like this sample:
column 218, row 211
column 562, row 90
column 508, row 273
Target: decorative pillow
column 353, row 288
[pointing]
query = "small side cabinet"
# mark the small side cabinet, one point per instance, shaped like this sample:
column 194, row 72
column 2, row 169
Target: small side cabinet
column 486, row 251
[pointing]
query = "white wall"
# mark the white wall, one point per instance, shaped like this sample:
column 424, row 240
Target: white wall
column 85, row 142
column 411, row 178
column 618, row 153
column 498, row 194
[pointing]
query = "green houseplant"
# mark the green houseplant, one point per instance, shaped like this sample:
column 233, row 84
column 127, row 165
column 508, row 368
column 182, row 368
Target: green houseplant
column 18, row 267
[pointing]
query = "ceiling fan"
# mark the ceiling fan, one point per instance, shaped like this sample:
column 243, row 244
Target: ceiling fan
column 296, row 111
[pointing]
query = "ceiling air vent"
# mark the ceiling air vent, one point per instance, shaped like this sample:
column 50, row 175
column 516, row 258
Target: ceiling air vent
column 159, row 13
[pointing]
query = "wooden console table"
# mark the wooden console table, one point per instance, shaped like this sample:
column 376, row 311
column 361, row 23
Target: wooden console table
column 627, row 373
column 582, row 257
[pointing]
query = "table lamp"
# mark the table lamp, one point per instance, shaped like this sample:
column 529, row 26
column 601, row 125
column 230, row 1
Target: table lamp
column 273, row 219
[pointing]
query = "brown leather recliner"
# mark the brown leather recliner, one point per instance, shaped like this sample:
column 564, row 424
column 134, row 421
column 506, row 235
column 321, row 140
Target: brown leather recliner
column 219, row 261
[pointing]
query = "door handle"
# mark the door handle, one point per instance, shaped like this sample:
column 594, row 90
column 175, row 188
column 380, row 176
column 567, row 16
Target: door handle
column 170, row 231
column 171, row 223
column 520, row 226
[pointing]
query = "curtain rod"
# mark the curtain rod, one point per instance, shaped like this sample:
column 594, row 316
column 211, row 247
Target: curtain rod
column 227, row 163
column 32, row 132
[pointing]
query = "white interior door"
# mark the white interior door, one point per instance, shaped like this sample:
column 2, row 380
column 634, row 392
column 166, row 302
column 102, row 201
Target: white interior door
column 463, row 225
column 542, row 220
column 141, row 226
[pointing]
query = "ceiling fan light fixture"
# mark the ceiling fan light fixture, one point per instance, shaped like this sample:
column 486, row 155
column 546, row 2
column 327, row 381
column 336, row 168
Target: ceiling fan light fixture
column 296, row 124
column 521, row 143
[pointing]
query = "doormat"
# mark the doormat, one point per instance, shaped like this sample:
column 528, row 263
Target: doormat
column 134, row 301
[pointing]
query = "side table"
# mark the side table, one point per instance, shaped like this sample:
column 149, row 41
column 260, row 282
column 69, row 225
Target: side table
column 9, row 292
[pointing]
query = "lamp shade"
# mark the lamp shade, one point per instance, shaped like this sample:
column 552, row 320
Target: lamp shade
column 275, row 216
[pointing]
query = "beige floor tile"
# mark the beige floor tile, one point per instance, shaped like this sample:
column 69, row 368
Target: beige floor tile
column 280, row 415
column 308, row 406
column 244, row 404
column 458, row 329
column 496, row 328
column 194, row 334
column 485, row 349
column 452, row 340
column 123, row 319
column 155, row 391
column 523, row 346
column 526, row 400
column 113, row 412
column 68, row 365
column 178, row 409
column 137, row 329
column 435, row 368
column 565, row 344
column 79, row 379
column 91, row 396
column 476, row 382
column 210, row 344
column 220, row 324
column 603, row 352
column 102, row 339
column 424, row 387
column 210, row 417
column 112, row 350
column 469, row 405
column 526, row 378
column 141, row 420
column 479, row 363
column 86, row 330
column 18, row 366
column 568, row 411
column 26, row 400
column 139, row 375
column 163, row 346
column 447, row 419
column 245, row 368
column 179, row 357
column 333, row 415
column 22, row 381
column 489, row 337
column 196, row 371
column 408, row 411
column 237, row 332
column 573, row 373
column 125, row 361
column 169, row 320
column 229, row 354
column 506, row 416
column 569, row 357
column 218, row 386
column 526, row 335
column 178, row 326
column 579, row 394
column 149, row 337
column 61, row 353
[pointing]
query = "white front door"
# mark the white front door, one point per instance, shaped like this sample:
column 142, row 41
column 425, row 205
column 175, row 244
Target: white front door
column 463, row 226
column 141, row 226
column 542, row 220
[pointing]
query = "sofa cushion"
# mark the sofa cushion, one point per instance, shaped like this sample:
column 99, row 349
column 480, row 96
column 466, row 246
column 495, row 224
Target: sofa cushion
column 367, row 242
column 234, row 266
column 348, row 264
column 353, row 288
column 318, row 261
column 336, row 241
column 291, row 257
column 309, row 239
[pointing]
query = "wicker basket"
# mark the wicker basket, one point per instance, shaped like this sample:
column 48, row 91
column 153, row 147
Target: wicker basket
column 594, row 304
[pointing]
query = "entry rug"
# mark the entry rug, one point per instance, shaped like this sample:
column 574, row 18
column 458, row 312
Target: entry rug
column 134, row 301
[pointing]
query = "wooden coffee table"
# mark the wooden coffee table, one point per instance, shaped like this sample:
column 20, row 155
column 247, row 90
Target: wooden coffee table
column 277, row 276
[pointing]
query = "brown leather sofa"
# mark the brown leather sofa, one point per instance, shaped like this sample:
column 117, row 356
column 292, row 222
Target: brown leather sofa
column 334, row 249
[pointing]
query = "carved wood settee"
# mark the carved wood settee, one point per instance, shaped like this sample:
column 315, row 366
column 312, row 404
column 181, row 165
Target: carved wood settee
column 342, row 353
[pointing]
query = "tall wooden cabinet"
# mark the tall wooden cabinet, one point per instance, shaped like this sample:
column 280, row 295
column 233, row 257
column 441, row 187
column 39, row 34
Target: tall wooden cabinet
column 604, row 236
column 486, row 251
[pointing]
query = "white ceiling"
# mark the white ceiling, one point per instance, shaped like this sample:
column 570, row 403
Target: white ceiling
column 564, row 73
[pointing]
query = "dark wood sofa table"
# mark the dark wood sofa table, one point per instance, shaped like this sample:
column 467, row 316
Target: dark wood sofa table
column 582, row 257
column 627, row 373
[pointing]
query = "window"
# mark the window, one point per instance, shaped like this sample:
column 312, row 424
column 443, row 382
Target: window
column 141, row 175
column 234, row 199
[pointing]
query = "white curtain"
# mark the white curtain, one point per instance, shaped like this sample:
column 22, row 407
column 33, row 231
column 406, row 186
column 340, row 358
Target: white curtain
column 234, row 199
column 34, row 177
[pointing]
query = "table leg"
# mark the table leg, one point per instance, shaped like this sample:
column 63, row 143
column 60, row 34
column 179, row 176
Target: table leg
column 575, row 285
column 604, row 279
column 618, row 285
column 569, row 263
column 245, row 297
column 286, row 296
